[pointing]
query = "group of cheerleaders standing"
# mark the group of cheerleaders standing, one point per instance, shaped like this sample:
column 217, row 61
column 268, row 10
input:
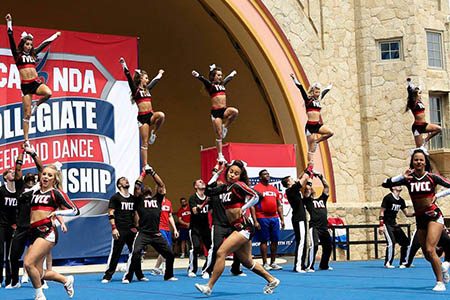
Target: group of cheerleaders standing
column 419, row 180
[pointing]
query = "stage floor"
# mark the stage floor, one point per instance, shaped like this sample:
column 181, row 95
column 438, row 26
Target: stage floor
column 348, row 280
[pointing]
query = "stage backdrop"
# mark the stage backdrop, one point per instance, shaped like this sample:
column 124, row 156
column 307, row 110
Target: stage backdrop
column 279, row 160
column 89, row 125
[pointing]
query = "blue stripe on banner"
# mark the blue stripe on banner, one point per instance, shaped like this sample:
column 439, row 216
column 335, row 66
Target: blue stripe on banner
column 286, row 244
column 59, row 116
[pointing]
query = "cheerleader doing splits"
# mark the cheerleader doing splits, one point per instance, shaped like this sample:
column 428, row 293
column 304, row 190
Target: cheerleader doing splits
column 313, row 106
column 221, row 115
column 140, row 87
column 234, row 195
column 25, row 56
column 420, row 125
column 421, row 185
column 47, row 202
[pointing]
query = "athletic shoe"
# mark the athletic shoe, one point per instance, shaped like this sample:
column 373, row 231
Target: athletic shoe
column 300, row 271
column 105, row 280
column 171, row 279
column 44, row 285
column 33, row 108
column 224, row 131
column 152, row 139
column 389, row 266
column 402, row 267
column 125, row 281
column 267, row 267
column 69, row 286
column 204, row 288
column 182, row 255
column 439, row 287
column 276, row 267
column 268, row 289
column 156, row 272
column 143, row 279
column 40, row 297
column 205, row 275
column 121, row 267
column 444, row 267
column 329, row 269
column 24, row 278
column 192, row 274
column 310, row 270
column 10, row 286
column 221, row 158
column 240, row 274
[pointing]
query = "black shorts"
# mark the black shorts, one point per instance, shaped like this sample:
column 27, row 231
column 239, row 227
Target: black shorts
column 246, row 228
column 218, row 113
column 312, row 128
column 433, row 214
column 30, row 87
column 46, row 231
column 418, row 128
column 145, row 118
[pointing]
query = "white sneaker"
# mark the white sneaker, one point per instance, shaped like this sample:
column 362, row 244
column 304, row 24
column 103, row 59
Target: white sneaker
column 444, row 267
column 224, row 131
column 241, row 274
column 182, row 255
column 105, row 281
column 268, row 289
column 310, row 270
column 125, row 281
column 439, row 287
column 329, row 269
column 192, row 274
column 10, row 286
column 221, row 158
column 40, row 297
column 276, row 267
column 24, row 278
column 267, row 267
column 152, row 138
column 204, row 288
column 389, row 266
column 69, row 286
column 156, row 272
column 44, row 286
column 205, row 275
column 300, row 271
column 143, row 279
column 172, row 279
column 33, row 108
column 402, row 267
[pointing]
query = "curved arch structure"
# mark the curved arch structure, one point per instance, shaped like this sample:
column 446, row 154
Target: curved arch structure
column 273, row 59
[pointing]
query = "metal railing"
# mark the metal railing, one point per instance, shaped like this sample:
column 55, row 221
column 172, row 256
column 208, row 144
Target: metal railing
column 349, row 242
column 440, row 141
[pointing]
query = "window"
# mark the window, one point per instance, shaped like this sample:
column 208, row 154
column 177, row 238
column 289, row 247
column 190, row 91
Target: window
column 390, row 50
column 434, row 49
column 436, row 118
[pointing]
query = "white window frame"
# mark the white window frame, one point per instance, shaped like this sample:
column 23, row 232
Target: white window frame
column 441, row 49
column 400, row 49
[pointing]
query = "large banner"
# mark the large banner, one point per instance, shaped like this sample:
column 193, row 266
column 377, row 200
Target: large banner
column 89, row 125
column 279, row 160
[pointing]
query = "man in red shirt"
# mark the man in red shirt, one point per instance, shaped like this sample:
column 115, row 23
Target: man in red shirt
column 164, row 221
column 184, row 218
column 265, row 215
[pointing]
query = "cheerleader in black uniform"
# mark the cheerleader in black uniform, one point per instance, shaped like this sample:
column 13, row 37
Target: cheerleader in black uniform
column 313, row 106
column 417, row 108
column 237, row 197
column 140, row 87
column 221, row 115
column 47, row 202
column 25, row 56
column 421, row 184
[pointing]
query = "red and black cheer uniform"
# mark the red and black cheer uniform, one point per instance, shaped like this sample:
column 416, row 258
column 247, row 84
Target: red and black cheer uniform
column 124, row 221
column 295, row 199
column 423, row 187
column 50, row 201
column 22, row 232
column 215, row 89
column 416, row 106
column 199, row 232
column 27, row 60
column 318, row 230
column 140, row 95
column 311, row 104
column 220, row 230
column 149, row 212
column 393, row 233
column 8, row 211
